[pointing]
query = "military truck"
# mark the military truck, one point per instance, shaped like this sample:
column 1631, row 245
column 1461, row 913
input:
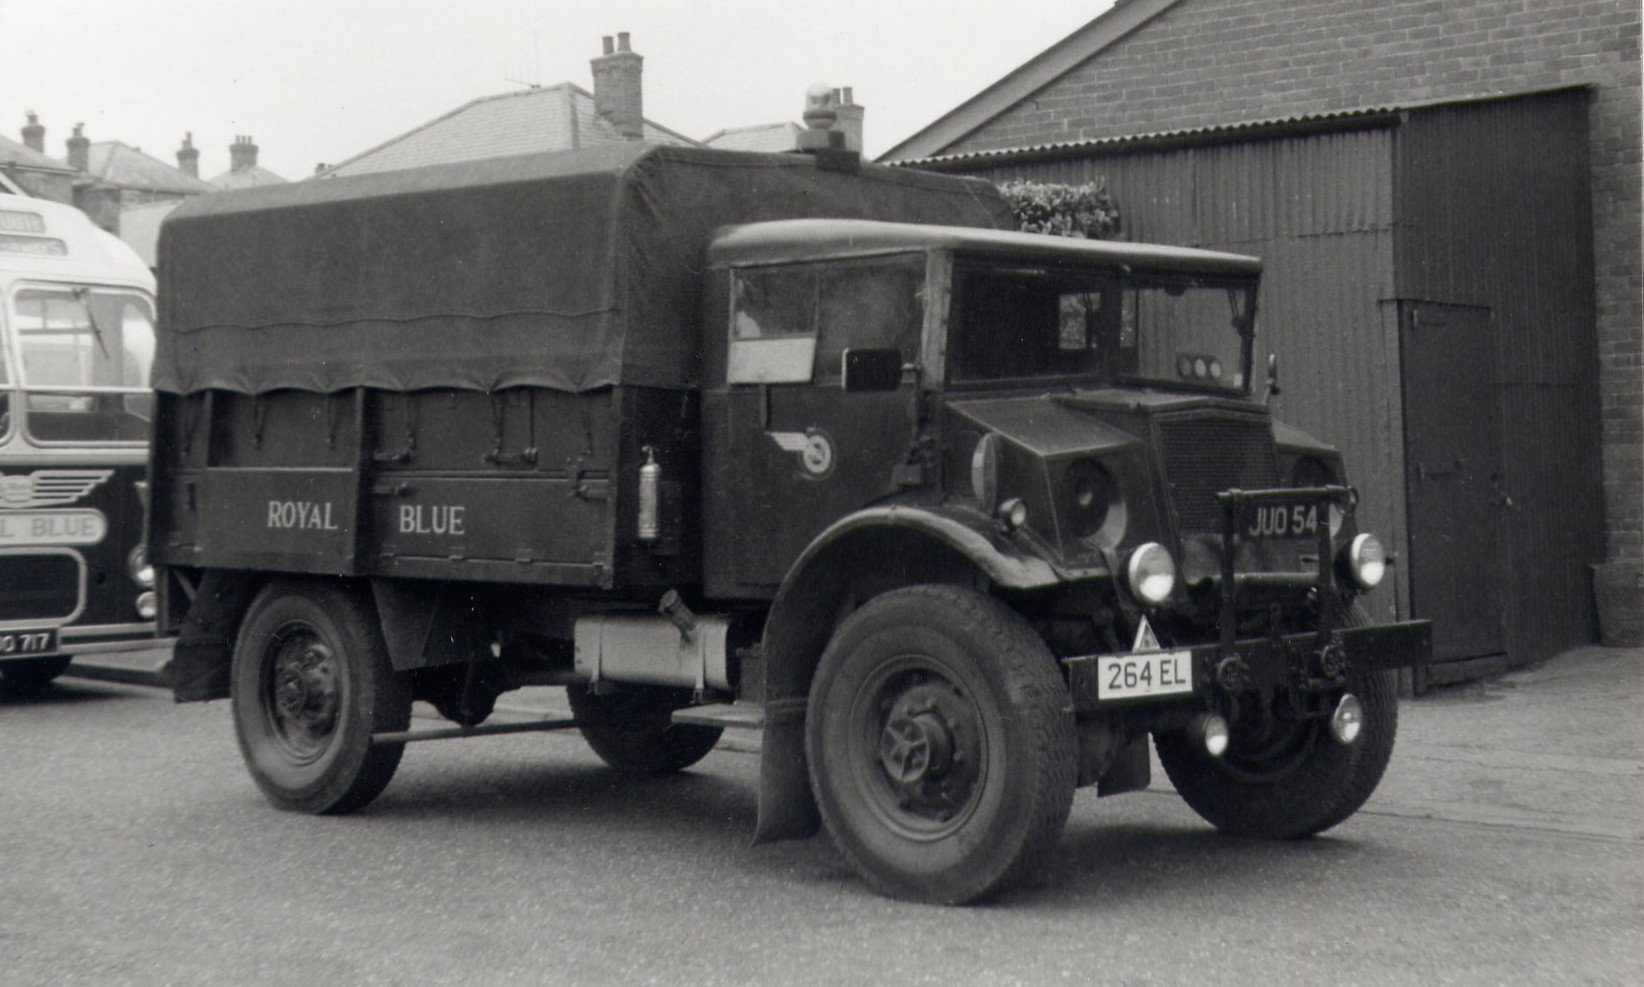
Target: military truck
column 957, row 517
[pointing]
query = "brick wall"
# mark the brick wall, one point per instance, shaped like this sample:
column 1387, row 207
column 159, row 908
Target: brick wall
column 1214, row 62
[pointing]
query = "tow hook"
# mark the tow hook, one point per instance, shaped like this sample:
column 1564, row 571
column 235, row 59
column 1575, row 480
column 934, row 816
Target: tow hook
column 1233, row 675
column 1333, row 661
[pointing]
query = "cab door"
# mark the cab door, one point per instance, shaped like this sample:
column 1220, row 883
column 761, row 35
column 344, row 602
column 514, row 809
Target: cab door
column 819, row 414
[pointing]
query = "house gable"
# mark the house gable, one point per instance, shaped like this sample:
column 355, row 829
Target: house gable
column 132, row 171
column 1200, row 63
column 1044, row 70
column 555, row 118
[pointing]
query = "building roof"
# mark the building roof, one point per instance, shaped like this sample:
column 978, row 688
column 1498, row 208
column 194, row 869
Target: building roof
column 114, row 163
column 759, row 137
column 22, row 156
column 251, row 177
column 554, row 118
column 1124, row 17
column 1359, row 118
column 140, row 227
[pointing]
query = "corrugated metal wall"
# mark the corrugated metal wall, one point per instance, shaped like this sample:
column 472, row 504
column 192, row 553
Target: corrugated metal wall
column 1493, row 207
column 1318, row 210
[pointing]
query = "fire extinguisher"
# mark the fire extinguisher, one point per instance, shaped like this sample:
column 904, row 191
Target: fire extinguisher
column 649, row 525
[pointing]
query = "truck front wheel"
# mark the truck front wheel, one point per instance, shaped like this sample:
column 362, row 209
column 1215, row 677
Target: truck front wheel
column 1296, row 780
column 941, row 744
column 311, row 684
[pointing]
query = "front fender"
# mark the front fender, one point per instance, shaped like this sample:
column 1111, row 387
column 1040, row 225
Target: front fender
column 860, row 556
column 882, row 548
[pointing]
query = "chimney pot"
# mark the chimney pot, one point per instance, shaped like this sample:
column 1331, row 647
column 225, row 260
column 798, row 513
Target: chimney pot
column 610, row 48
column 34, row 135
column 79, row 149
column 242, row 154
column 618, row 93
column 188, row 157
column 622, row 41
column 849, row 119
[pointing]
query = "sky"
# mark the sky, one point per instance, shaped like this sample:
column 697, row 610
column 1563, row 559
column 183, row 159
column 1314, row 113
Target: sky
column 316, row 81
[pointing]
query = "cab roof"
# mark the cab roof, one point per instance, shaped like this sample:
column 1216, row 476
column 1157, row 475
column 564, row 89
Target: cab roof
column 810, row 239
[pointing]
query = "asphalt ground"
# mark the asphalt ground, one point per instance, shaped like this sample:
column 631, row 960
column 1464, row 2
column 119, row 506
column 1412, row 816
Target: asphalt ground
column 1556, row 746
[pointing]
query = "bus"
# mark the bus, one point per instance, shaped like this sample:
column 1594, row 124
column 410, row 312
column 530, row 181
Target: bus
column 76, row 343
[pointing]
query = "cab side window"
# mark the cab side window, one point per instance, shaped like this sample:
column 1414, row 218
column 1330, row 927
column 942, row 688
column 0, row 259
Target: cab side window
column 773, row 325
column 877, row 304
column 792, row 324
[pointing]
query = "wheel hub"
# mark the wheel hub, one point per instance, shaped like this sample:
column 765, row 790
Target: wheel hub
column 916, row 746
column 928, row 752
column 305, row 696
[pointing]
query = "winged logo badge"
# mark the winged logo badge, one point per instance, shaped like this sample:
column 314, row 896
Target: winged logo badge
column 47, row 488
column 814, row 448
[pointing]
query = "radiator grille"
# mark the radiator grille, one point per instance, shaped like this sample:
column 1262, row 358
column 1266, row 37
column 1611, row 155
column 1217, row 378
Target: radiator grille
column 1206, row 454
column 39, row 587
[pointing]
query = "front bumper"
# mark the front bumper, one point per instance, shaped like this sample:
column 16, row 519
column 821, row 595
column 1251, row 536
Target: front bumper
column 1301, row 663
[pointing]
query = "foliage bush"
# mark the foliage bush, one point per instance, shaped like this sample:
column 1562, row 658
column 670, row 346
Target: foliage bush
column 1082, row 211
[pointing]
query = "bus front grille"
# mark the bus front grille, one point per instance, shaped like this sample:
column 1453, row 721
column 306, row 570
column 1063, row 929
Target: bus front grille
column 39, row 588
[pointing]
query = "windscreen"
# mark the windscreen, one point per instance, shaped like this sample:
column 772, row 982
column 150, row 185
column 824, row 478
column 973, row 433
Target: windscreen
column 85, row 355
column 1178, row 331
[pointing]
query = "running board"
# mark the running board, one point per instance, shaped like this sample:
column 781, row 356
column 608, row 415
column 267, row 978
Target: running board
column 729, row 716
column 449, row 733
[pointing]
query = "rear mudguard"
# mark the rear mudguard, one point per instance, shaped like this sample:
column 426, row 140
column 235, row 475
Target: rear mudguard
column 205, row 641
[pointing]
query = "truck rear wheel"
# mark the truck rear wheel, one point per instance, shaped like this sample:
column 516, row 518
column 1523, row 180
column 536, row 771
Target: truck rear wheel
column 941, row 744
column 632, row 729
column 311, row 684
column 1294, row 781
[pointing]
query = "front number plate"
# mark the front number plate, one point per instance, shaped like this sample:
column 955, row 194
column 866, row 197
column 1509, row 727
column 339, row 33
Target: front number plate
column 1261, row 521
column 1153, row 673
column 16, row 644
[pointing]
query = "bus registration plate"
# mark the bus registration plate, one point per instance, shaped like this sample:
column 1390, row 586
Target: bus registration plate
column 1141, row 674
column 15, row 644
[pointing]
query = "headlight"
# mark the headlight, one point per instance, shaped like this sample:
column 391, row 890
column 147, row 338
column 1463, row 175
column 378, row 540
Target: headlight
column 137, row 565
column 1347, row 722
column 984, row 471
column 1151, row 573
column 147, row 605
column 1366, row 561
